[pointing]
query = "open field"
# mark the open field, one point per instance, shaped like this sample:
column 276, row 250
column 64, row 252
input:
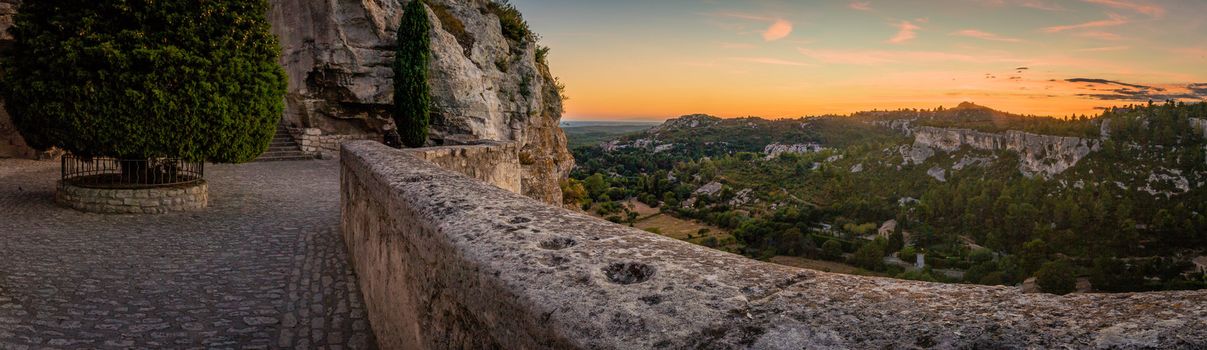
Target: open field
column 819, row 265
column 591, row 134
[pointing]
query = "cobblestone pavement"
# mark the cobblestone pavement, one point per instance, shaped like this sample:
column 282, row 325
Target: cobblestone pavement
column 263, row 267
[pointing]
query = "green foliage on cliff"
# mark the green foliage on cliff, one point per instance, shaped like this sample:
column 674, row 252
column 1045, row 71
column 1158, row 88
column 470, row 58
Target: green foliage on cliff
column 412, row 95
column 1131, row 212
column 514, row 26
column 141, row 78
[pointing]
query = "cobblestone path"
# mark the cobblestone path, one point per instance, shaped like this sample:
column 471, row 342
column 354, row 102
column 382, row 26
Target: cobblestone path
column 263, row 267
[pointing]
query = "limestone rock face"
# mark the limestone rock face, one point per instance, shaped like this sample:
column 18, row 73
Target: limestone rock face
column 11, row 143
column 775, row 149
column 1043, row 155
column 1200, row 124
column 339, row 54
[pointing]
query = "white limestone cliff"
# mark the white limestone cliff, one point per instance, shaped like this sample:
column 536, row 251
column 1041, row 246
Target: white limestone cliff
column 1042, row 155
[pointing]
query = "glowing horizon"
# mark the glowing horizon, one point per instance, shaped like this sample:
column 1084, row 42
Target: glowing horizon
column 634, row 59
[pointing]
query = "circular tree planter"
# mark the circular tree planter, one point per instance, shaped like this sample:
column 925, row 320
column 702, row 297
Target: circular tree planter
column 121, row 186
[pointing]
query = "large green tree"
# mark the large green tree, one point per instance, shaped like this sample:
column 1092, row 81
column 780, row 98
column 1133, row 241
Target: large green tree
column 412, row 95
column 192, row 79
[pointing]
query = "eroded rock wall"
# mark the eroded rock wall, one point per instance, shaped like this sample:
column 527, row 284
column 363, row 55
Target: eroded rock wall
column 339, row 53
column 11, row 143
column 493, row 162
column 446, row 261
column 1043, row 155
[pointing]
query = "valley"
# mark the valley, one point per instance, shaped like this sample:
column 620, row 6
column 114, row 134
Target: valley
column 980, row 196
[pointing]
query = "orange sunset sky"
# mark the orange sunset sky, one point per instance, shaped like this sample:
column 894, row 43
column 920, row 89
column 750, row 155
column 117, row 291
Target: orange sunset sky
column 655, row 59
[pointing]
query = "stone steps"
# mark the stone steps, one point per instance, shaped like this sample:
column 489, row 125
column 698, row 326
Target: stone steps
column 284, row 148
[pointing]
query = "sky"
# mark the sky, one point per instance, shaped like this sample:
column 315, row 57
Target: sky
column 657, row 59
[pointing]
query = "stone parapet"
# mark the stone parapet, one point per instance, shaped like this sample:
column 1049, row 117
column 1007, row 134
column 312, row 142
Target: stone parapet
column 316, row 142
column 134, row 201
column 447, row 261
column 493, row 162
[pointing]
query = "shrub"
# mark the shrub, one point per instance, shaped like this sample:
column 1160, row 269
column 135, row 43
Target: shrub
column 514, row 26
column 831, row 249
column 573, row 191
column 412, row 95
column 542, row 54
column 1056, row 277
column 908, row 254
column 138, row 79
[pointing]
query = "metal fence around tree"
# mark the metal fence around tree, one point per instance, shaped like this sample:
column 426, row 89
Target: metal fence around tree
column 106, row 172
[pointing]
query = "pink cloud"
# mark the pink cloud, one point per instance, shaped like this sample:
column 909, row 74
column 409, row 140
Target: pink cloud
column 742, row 15
column 1105, row 49
column 906, row 31
column 1100, row 35
column 778, row 30
column 973, row 33
column 729, row 45
column 1148, row 9
column 1113, row 20
column 772, row 61
column 861, row 5
column 1035, row 4
column 874, row 57
column 1041, row 5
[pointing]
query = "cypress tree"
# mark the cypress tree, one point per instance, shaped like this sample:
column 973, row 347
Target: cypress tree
column 412, row 96
column 139, row 79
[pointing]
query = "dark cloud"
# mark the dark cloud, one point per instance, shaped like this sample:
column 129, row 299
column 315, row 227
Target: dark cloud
column 1136, row 92
column 1199, row 88
column 1104, row 81
column 1022, row 68
column 1139, row 96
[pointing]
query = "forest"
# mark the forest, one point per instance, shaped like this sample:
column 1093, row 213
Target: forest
column 1105, row 220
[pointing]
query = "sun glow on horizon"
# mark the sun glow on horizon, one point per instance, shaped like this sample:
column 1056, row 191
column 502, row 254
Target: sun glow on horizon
column 778, row 58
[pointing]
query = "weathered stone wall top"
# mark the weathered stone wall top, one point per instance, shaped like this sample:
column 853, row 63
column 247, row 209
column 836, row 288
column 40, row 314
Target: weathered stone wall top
column 446, row 261
column 494, row 162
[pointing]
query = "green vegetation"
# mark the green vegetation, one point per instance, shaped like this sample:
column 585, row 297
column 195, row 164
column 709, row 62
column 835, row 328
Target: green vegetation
column 412, row 95
column 1111, row 217
column 591, row 135
column 515, row 28
column 454, row 26
column 1056, row 277
column 173, row 78
column 980, row 118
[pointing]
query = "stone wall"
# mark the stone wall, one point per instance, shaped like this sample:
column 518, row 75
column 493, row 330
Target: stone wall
column 319, row 143
column 494, row 162
column 134, row 201
column 446, row 261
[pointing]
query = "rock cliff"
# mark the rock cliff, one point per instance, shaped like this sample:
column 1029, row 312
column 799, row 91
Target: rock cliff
column 775, row 149
column 11, row 143
column 338, row 55
column 1043, row 155
column 485, row 85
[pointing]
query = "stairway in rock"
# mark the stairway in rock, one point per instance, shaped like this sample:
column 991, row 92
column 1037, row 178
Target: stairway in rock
column 284, row 147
